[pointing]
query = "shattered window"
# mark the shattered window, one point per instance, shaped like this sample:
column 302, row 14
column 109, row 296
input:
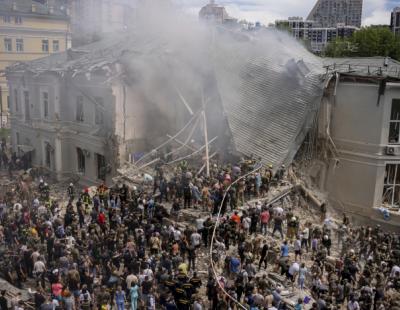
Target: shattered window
column 394, row 125
column 80, row 160
column 391, row 188
column 79, row 109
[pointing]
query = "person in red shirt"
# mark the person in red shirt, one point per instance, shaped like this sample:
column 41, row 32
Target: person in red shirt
column 264, row 218
column 236, row 218
column 101, row 218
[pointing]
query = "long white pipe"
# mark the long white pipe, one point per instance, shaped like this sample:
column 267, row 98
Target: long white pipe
column 258, row 167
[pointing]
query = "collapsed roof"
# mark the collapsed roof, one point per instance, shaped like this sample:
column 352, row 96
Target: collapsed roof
column 266, row 85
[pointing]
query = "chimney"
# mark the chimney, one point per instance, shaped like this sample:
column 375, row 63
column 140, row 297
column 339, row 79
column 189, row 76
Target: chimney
column 33, row 8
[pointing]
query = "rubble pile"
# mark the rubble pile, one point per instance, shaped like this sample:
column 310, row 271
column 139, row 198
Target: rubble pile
column 275, row 246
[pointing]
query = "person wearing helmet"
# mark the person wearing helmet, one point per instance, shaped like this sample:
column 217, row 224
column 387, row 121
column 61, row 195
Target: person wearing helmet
column 327, row 243
column 41, row 185
column 86, row 199
column 102, row 191
column 71, row 192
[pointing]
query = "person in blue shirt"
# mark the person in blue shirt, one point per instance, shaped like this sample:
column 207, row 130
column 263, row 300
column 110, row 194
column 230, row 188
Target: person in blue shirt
column 285, row 249
column 299, row 305
column 120, row 298
column 134, row 292
column 234, row 265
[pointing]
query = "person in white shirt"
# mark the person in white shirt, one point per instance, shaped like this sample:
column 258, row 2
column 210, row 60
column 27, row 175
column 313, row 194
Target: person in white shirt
column 353, row 304
column 177, row 235
column 297, row 248
column 305, row 235
column 246, row 224
column 195, row 239
column 293, row 271
column 394, row 270
column 39, row 269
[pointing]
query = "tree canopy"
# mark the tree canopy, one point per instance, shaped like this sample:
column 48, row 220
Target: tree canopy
column 366, row 42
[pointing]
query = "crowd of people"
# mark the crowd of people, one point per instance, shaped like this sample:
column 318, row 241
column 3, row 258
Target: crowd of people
column 129, row 247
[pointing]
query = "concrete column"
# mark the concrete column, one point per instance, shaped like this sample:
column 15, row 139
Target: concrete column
column 58, row 166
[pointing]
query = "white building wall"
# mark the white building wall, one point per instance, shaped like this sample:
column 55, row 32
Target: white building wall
column 359, row 129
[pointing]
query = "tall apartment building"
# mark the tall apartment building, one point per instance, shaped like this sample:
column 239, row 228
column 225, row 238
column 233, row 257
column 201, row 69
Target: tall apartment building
column 92, row 18
column 329, row 13
column 215, row 13
column 395, row 21
column 318, row 37
column 29, row 30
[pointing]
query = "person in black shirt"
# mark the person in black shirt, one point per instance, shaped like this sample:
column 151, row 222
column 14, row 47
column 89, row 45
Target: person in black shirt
column 264, row 258
column 3, row 300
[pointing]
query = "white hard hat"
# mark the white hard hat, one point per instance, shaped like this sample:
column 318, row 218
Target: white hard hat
column 70, row 184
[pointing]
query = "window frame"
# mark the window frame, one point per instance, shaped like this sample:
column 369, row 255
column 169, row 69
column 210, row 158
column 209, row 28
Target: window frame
column 16, row 100
column 80, row 160
column 19, row 45
column 394, row 121
column 6, row 19
column 101, row 165
column 45, row 45
column 18, row 20
column 98, row 111
column 47, row 154
column 45, row 104
column 79, row 107
column 390, row 188
column 8, row 45
column 27, row 108
column 54, row 42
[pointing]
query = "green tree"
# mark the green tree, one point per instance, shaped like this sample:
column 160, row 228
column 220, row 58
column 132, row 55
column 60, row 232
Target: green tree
column 366, row 42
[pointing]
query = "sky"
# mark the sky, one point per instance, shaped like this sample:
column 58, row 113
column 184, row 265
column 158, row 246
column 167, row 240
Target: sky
column 267, row 11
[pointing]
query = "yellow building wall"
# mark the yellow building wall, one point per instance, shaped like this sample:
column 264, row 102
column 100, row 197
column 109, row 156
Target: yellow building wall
column 32, row 30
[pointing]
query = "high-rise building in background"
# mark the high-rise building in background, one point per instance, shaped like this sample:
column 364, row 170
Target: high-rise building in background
column 215, row 13
column 329, row 13
column 317, row 37
column 29, row 30
column 90, row 19
column 395, row 21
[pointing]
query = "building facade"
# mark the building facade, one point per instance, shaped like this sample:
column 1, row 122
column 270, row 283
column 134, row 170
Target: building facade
column 395, row 21
column 360, row 113
column 61, row 127
column 90, row 19
column 29, row 30
column 329, row 13
column 317, row 37
column 215, row 13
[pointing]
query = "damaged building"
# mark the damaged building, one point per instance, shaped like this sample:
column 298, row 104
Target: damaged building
column 359, row 121
column 93, row 110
